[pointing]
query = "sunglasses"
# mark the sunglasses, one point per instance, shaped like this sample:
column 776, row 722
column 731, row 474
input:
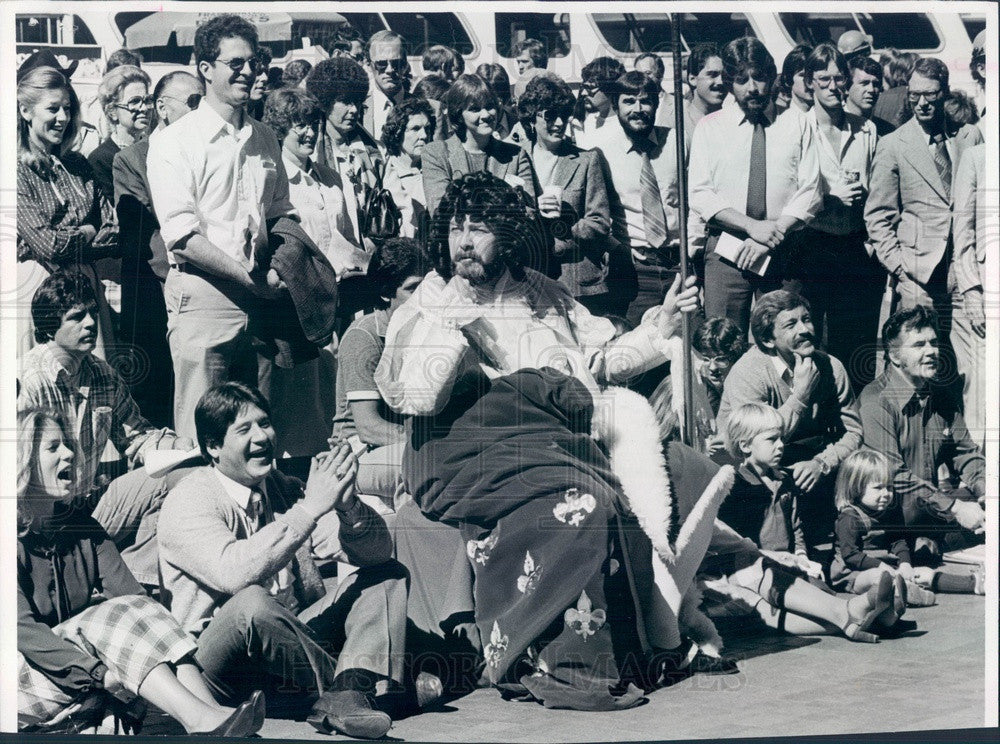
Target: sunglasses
column 136, row 104
column 381, row 65
column 236, row 64
column 191, row 101
column 550, row 115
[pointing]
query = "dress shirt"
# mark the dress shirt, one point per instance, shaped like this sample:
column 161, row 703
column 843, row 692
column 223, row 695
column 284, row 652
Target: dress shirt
column 625, row 157
column 381, row 106
column 857, row 153
column 95, row 404
column 919, row 433
column 317, row 196
column 719, row 170
column 207, row 177
column 519, row 324
column 280, row 586
column 592, row 125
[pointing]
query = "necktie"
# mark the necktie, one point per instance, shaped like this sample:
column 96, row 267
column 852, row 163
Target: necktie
column 757, row 183
column 653, row 217
column 255, row 508
column 942, row 161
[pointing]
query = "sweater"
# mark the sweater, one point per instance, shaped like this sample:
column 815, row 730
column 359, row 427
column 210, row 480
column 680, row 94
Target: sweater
column 206, row 555
column 768, row 518
column 827, row 427
column 61, row 563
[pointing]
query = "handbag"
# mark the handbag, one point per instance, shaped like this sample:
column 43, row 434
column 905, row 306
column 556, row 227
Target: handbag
column 380, row 217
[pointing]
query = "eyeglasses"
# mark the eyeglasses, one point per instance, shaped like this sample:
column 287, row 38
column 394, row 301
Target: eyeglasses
column 550, row 115
column 824, row 81
column 136, row 104
column 929, row 97
column 381, row 65
column 190, row 101
column 236, row 64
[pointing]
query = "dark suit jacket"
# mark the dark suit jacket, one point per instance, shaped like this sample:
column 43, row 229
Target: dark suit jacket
column 580, row 235
column 909, row 209
column 443, row 162
column 140, row 233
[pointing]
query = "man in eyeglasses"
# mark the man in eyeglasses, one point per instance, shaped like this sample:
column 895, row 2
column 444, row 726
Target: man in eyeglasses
column 389, row 71
column 144, row 262
column 217, row 183
column 909, row 210
column 841, row 280
column 596, row 77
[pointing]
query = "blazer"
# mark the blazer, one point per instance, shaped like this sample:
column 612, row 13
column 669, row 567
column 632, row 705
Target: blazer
column 443, row 162
column 909, row 209
column 141, row 236
column 971, row 236
column 580, row 235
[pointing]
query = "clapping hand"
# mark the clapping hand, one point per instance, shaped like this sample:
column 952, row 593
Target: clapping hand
column 331, row 481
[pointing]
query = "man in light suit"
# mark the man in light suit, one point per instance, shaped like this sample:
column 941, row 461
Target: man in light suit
column 909, row 210
column 389, row 71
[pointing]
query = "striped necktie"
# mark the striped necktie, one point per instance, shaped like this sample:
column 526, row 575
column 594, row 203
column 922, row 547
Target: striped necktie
column 653, row 217
column 942, row 160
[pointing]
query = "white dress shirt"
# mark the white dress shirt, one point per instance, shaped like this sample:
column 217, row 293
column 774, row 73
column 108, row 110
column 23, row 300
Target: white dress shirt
column 207, row 177
column 857, row 153
column 626, row 169
column 593, row 124
column 719, row 169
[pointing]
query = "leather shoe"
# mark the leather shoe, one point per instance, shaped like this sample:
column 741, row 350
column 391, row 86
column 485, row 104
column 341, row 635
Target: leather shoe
column 239, row 724
column 348, row 712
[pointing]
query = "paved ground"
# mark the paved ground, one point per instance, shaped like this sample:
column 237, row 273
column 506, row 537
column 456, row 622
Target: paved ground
column 930, row 679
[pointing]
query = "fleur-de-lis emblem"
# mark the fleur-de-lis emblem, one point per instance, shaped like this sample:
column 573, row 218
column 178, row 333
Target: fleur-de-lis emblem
column 583, row 619
column 479, row 550
column 497, row 646
column 529, row 580
column 575, row 507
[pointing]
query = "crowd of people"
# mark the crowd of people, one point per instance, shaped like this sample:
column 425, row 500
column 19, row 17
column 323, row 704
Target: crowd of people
column 391, row 405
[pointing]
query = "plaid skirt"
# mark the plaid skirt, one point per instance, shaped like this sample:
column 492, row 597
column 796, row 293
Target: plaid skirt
column 130, row 634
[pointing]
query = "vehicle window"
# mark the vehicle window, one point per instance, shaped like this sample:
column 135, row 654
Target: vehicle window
column 718, row 28
column 815, row 28
column 634, row 32
column 422, row 30
column 37, row 29
column 974, row 24
column 124, row 20
column 81, row 34
column 551, row 29
column 901, row 30
column 365, row 24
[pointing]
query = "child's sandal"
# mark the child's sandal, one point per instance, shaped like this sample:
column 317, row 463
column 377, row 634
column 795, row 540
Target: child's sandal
column 899, row 597
column 879, row 598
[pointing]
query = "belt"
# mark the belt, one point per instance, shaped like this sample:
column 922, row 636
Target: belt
column 667, row 257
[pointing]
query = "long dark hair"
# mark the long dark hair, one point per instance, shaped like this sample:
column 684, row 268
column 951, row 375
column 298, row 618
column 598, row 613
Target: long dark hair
column 502, row 208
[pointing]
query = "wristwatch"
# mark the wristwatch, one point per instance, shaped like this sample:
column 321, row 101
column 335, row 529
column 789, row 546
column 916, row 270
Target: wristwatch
column 824, row 466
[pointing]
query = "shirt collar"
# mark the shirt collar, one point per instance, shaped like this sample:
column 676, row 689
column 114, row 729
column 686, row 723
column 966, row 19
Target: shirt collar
column 295, row 173
column 238, row 492
column 215, row 124
column 898, row 389
column 51, row 362
column 781, row 367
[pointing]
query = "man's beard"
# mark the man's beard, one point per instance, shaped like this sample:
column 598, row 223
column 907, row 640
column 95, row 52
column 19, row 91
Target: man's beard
column 476, row 272
column 644, row 124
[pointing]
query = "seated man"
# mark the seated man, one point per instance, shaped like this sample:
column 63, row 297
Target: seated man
column 237, row 540
column 916, row 421
column 812, row 393
column 362, row 416
column 63, row 373
column 501, row 367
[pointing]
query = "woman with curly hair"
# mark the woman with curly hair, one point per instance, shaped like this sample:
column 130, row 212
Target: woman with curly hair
column 473, row 110
column 63, row 219
column 78, row 657
column 341, row 85
column 408, row 128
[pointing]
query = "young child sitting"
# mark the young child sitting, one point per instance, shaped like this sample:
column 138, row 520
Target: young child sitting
column 870, row 541
column 763, row 504
column 772, row 577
